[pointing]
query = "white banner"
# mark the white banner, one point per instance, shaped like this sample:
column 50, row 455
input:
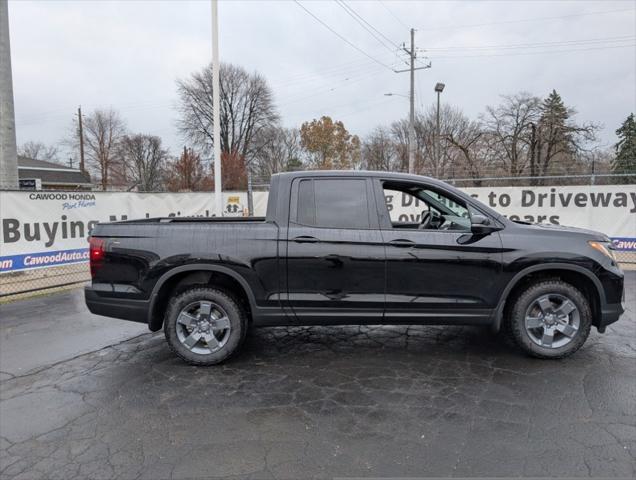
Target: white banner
column 40, row 228
column 610, row 209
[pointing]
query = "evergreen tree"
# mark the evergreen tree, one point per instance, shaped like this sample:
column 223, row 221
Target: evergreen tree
column 556, row 139
column 625, row 160
column 555, row 134
column 553, row 110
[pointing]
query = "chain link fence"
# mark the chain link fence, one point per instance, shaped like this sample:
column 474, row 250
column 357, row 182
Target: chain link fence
column 16, row 285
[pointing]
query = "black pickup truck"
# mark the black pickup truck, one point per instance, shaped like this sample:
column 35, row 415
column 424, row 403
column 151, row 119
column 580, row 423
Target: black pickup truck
column 330, row 251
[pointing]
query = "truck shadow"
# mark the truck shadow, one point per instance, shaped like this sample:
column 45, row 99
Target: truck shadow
column 382, row 341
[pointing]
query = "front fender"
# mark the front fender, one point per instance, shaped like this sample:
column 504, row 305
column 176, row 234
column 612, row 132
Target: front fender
column 496, row 324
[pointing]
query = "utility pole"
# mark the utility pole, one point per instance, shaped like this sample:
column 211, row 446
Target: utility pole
column 439, row 88
column 81, row 137
column 413, row 55
column 412, row 110
column 8, row 147
column 216, row 107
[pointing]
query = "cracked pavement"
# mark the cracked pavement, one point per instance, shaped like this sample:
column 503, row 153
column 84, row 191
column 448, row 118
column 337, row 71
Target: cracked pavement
column 323, row 402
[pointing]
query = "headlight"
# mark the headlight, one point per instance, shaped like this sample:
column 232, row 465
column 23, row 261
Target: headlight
column 605, row 248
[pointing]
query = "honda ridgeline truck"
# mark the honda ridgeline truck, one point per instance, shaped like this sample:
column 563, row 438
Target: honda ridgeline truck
column 330, row 252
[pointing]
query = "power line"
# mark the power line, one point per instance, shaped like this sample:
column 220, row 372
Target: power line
column 340, row 36
column 330, row 88
column 546, row 52
column 368, row 27
column 380, row 41
column 341, row 66
column 393, row 14
column 561, row 43
column 524, row 20
column 329, row 110
column 307, row 77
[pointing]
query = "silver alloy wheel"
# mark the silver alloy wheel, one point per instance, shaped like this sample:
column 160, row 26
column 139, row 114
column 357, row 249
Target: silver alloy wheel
column 203, row 327
column 552, row 320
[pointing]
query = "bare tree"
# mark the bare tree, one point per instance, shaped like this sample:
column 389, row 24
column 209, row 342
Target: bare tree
column 247, row 108
column 144, row 160
column 279, row 150
column 426, row 161
column 400, row 133
column 509, row 125
column 39, row 151
column 465, row 142
column 379, row 151
column 520, row 136
column 103, row 130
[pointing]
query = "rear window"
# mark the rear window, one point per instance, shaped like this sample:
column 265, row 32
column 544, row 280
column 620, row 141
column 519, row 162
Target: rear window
column 333, row 203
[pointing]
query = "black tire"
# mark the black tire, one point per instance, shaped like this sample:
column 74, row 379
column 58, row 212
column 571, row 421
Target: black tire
column 516, row 321
column 232, row 309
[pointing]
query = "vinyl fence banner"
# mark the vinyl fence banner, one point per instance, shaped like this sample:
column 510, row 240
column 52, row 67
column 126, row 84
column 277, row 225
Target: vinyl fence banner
column 610, row 209
column 45, row 228
column 41, row 229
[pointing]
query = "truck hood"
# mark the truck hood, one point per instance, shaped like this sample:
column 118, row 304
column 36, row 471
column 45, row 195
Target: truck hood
column 591, row 234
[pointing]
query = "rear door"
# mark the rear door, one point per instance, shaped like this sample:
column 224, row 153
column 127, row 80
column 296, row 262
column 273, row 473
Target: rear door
column 335, row 256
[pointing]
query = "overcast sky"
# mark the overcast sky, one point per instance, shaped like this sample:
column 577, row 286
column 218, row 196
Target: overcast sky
column 128, row 54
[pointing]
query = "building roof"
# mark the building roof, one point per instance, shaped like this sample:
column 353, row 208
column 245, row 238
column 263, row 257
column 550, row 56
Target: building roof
column 51, row 173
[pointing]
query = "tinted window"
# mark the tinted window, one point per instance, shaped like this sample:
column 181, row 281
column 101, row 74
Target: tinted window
column 335, row 203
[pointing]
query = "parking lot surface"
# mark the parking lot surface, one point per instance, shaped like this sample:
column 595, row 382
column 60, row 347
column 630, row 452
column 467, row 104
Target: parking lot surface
column 327, row 402
column 41, row 331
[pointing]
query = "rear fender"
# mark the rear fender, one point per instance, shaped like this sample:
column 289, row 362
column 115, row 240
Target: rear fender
column 155, row 323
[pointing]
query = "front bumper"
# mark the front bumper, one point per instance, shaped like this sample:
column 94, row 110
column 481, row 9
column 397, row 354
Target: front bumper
column 123, row 308
column 610, row 313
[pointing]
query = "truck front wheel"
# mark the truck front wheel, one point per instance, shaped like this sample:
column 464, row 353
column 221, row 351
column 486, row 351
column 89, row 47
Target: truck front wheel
column 550, row 319
column 204, row 326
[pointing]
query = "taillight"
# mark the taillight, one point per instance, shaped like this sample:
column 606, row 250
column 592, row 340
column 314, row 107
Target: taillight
column 96, row 254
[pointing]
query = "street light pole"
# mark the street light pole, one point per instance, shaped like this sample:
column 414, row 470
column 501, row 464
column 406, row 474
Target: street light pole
column 439, row 88
column 216, row 110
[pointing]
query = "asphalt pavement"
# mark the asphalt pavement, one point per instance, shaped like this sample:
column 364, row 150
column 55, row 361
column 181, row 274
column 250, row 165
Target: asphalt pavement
column 317, row 402
column 44, row 330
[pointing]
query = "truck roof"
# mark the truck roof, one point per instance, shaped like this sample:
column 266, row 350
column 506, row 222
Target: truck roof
column 395, row 176
column 357, row 173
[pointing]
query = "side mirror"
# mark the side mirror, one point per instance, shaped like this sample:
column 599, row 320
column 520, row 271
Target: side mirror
column 482, row 225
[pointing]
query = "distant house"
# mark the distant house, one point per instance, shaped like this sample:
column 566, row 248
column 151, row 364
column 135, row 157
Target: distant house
column 41, row 175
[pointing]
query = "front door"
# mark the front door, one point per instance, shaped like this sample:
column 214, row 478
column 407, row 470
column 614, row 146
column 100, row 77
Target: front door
column 437, row 270
column 335, row 255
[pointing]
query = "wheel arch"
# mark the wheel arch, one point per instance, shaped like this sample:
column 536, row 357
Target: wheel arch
column 580, row 277
column 181, row 278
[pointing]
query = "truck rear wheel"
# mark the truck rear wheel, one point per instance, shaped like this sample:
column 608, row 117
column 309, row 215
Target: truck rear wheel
column 550, row 319
column 204, row 326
